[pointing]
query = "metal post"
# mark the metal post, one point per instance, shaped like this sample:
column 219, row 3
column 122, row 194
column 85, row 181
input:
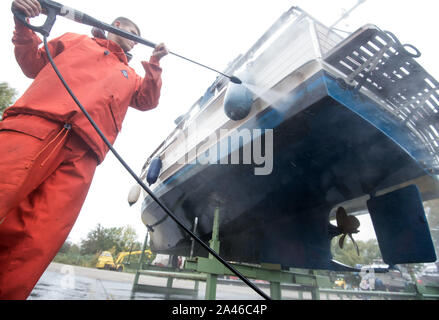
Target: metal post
column 214, row 242
column 211, row 281
column 169, row 282
column 193, row 241
column 139, row 267
column 419, row 295
column 197, row 284
column 346, row 14
column 315, row 293
column 275, row 290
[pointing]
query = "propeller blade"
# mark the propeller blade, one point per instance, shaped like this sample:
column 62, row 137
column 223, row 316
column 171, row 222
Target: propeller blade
column 346, row 224
column 341, row 241
column 354, row 223
column 355, row 244
column 341, row 216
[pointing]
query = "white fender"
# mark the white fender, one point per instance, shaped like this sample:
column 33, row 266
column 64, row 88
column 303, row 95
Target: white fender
column 134, row 194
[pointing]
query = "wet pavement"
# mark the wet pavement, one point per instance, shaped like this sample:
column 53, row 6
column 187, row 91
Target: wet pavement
column 65, row 282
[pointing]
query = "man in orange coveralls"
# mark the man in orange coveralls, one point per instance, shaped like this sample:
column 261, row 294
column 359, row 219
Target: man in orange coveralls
column 49, row 150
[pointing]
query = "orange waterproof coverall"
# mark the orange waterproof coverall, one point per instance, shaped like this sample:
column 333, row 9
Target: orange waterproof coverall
column 49, row 150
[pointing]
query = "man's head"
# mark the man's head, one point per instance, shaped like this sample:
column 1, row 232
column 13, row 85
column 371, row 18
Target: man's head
column 126, row 25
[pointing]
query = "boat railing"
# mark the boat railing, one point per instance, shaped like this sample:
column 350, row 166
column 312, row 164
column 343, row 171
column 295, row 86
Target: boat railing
column 374, row 60
column 369, row 59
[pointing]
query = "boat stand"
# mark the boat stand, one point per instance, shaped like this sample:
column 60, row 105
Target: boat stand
column 168, row 272
column 267, row 272
column 209, row 270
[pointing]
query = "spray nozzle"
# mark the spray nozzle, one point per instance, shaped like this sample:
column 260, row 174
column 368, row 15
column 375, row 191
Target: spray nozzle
column 235, row 80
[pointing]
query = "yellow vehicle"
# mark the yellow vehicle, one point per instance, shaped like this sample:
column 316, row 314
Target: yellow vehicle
column 340, row 283
column 106, row 261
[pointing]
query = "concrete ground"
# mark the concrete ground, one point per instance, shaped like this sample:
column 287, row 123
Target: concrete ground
column 62, row 281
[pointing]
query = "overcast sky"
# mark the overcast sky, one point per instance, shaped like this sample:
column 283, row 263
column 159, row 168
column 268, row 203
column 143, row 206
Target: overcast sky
column 213, row 33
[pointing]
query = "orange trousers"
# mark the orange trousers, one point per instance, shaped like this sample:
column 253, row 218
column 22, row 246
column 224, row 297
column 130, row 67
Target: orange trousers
column 44, row 180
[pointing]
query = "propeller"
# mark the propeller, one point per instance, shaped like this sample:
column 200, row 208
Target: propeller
column 347, row 225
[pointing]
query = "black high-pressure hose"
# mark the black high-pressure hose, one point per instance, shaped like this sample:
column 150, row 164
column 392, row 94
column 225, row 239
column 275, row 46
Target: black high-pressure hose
column 142, row 184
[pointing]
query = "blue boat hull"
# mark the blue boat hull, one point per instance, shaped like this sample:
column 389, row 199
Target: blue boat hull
column 330, row 145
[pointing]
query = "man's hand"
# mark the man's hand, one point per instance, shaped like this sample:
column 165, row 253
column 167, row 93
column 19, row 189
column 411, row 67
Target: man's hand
column 31, row 8
column 160, row 51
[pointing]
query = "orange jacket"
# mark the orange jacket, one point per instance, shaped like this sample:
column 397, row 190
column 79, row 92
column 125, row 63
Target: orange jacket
column 96, row 70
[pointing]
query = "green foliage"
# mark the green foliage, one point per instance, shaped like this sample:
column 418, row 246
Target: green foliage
column 71, row 254
column 114, row 240
column 77, row 259
column 369, row 251
column 432, row 210
column 7, row 96
column 99, row 239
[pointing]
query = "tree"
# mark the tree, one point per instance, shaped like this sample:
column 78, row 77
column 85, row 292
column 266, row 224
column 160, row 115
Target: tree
column 7, row 96
column 110, row 239
column 369, row 251
column 67, row 245
column 432, row 212
column 96, row 241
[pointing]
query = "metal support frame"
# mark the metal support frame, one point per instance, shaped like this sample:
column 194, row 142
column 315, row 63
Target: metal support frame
column 163, row 272
column 268, row 272
column 209, row 269
column 212, row 279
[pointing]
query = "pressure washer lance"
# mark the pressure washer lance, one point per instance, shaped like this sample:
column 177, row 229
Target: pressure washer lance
column 52, row 9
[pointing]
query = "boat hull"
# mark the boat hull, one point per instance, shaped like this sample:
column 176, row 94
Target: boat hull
column 330, row 145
